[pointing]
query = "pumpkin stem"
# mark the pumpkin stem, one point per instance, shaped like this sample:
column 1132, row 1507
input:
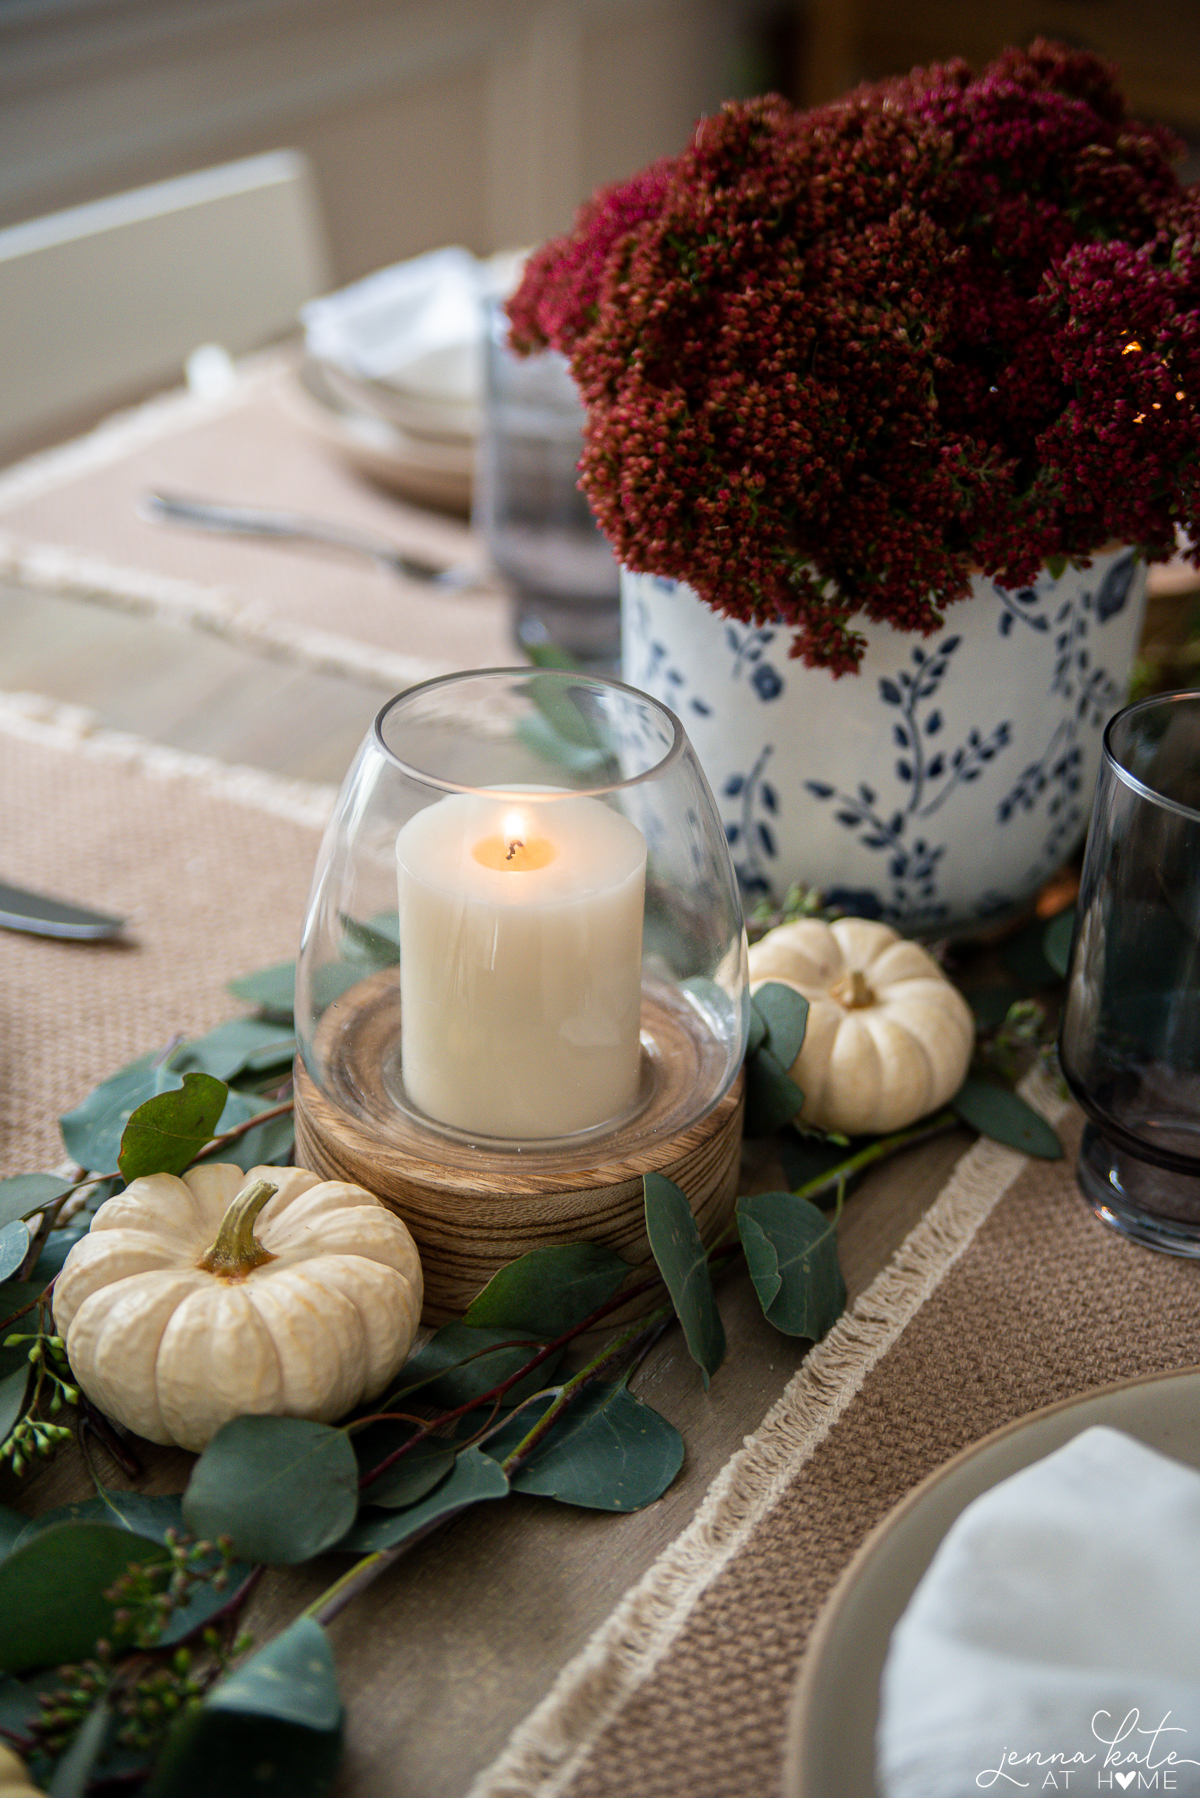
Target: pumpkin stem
column 853, row 990
column 237, row 1250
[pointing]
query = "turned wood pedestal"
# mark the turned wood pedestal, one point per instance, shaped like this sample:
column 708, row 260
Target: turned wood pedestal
column 471, row 1209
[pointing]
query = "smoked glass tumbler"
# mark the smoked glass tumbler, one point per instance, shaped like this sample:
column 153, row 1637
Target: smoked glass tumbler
column 524, row 932
column 1130, row 1041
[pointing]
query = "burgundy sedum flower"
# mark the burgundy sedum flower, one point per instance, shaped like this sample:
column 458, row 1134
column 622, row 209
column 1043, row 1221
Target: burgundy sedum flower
column 836, row 362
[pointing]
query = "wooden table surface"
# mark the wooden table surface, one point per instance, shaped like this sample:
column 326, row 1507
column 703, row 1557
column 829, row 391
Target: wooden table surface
column 448, row 1652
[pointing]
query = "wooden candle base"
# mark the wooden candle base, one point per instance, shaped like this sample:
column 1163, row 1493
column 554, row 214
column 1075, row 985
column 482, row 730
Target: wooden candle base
column 471, row 1209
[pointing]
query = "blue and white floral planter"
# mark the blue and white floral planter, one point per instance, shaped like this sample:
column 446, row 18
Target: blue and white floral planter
column 937, row 789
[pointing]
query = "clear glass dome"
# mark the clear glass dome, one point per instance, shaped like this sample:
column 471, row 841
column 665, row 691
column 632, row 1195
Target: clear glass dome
column 524, row 932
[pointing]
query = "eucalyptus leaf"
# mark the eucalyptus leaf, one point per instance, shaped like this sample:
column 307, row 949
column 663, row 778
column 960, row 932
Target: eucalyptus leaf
column 991, row 1002
column 52, row 1603
column 791, row 1252
column 21, row 1700
column 451, row 1370
column 14, row 1246
column 281, row 1488
column 423, row 1467
column 758, row 1031
column 808, row 1158
column 92, row 1132
column 1024, row 957
column 273, row 990
column 12, row 1528
column 149, row 1517
column 12, row 1397
column 683, row 1263
column 1005, row 1117
column 273, row 1727
column 164, row 1135
column 549, row 745
column 549, row 655
column 234, row 1046
column 291, row 1679
column 558, row 701
column 17, row 1296
column 784, row 1012
column 54, row 1251
column 270, row 1059
column 139, row 1513
column 74, row 1770
column 1056, row 943
column 475, row 1479
column 367, row 943
column 772, row 1096
column 13, row 1359
column 610, row 1452
column 25, row 1194
column 550, row 1290
column 268, row 1145
column 210, row 1750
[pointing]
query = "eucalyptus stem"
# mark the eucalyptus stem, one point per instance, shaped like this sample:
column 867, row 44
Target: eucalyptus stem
column 879, row 1150
column 325, row 1607
column 240, row 1130
column 37, row 1240
column 615, row 1351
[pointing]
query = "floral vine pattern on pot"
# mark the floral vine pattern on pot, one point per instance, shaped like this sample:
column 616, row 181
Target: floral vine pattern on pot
column 1055, row 778
column 1092, row 693
column 929, row 773
column 937, row 791
column 751, row 838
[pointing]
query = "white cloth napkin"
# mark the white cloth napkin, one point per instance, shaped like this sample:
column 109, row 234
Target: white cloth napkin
column 420, row 322
column 1056, row 1629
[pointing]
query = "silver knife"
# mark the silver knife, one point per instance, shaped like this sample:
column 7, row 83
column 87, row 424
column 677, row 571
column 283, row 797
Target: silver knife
column 42, row 916
column 257, row 521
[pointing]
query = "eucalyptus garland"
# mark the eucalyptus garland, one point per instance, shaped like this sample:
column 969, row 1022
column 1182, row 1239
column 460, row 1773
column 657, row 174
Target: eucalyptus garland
column 122, row 1653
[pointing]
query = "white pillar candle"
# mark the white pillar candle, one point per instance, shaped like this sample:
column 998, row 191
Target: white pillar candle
column 521, row 963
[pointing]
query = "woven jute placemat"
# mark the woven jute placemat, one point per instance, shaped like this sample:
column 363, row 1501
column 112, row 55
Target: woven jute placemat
column 1007, row 1296
column 210, row 866
column 72, row 522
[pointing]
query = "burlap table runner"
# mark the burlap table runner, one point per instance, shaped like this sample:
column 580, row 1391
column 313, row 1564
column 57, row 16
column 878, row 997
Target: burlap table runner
column 209, row 865
column 1007, row 1296
column 70, row 523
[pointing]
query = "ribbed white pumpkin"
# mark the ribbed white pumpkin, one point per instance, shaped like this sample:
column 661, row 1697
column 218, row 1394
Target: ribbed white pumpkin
column 15, row 1779
column 888, row 1039
column 173, row 1349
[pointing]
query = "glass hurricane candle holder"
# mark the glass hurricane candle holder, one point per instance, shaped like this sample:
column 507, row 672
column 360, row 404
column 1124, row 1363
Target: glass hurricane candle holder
column 522, row 975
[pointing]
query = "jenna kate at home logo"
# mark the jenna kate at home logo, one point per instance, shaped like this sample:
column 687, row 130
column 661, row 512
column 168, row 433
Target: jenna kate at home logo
column 1128, row 1757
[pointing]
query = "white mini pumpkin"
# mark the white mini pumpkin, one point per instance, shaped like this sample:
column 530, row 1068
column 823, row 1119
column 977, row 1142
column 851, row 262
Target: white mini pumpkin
column 194, row 1300
column 888, row 1038
column 15, row 1778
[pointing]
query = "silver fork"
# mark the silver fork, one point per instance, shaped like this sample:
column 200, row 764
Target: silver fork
column 256, row 521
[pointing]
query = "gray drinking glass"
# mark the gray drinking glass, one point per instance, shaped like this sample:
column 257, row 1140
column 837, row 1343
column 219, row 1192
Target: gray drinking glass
column 537, row 525
column 1130, row 1040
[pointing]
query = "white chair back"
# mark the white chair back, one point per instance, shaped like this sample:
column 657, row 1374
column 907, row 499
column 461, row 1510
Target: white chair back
column 103, row 301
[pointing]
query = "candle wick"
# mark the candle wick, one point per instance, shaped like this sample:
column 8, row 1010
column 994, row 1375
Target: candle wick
column 513, row 847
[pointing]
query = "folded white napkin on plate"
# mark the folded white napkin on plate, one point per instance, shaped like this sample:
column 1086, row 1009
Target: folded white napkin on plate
column 398, row 315
column 420, row 321
column 1054, row 1642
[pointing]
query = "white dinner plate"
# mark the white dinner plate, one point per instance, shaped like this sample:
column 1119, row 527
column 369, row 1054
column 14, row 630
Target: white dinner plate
column 835, row 1707
column 432, row 471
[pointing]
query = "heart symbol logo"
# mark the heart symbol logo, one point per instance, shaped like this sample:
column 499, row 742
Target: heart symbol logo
column 1124, row 1780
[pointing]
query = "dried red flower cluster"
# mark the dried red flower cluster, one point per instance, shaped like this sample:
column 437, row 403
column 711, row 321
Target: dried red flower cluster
column 837, row 361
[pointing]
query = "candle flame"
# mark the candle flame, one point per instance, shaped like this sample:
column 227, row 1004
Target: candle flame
column 516, row 848
column 515, row 833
